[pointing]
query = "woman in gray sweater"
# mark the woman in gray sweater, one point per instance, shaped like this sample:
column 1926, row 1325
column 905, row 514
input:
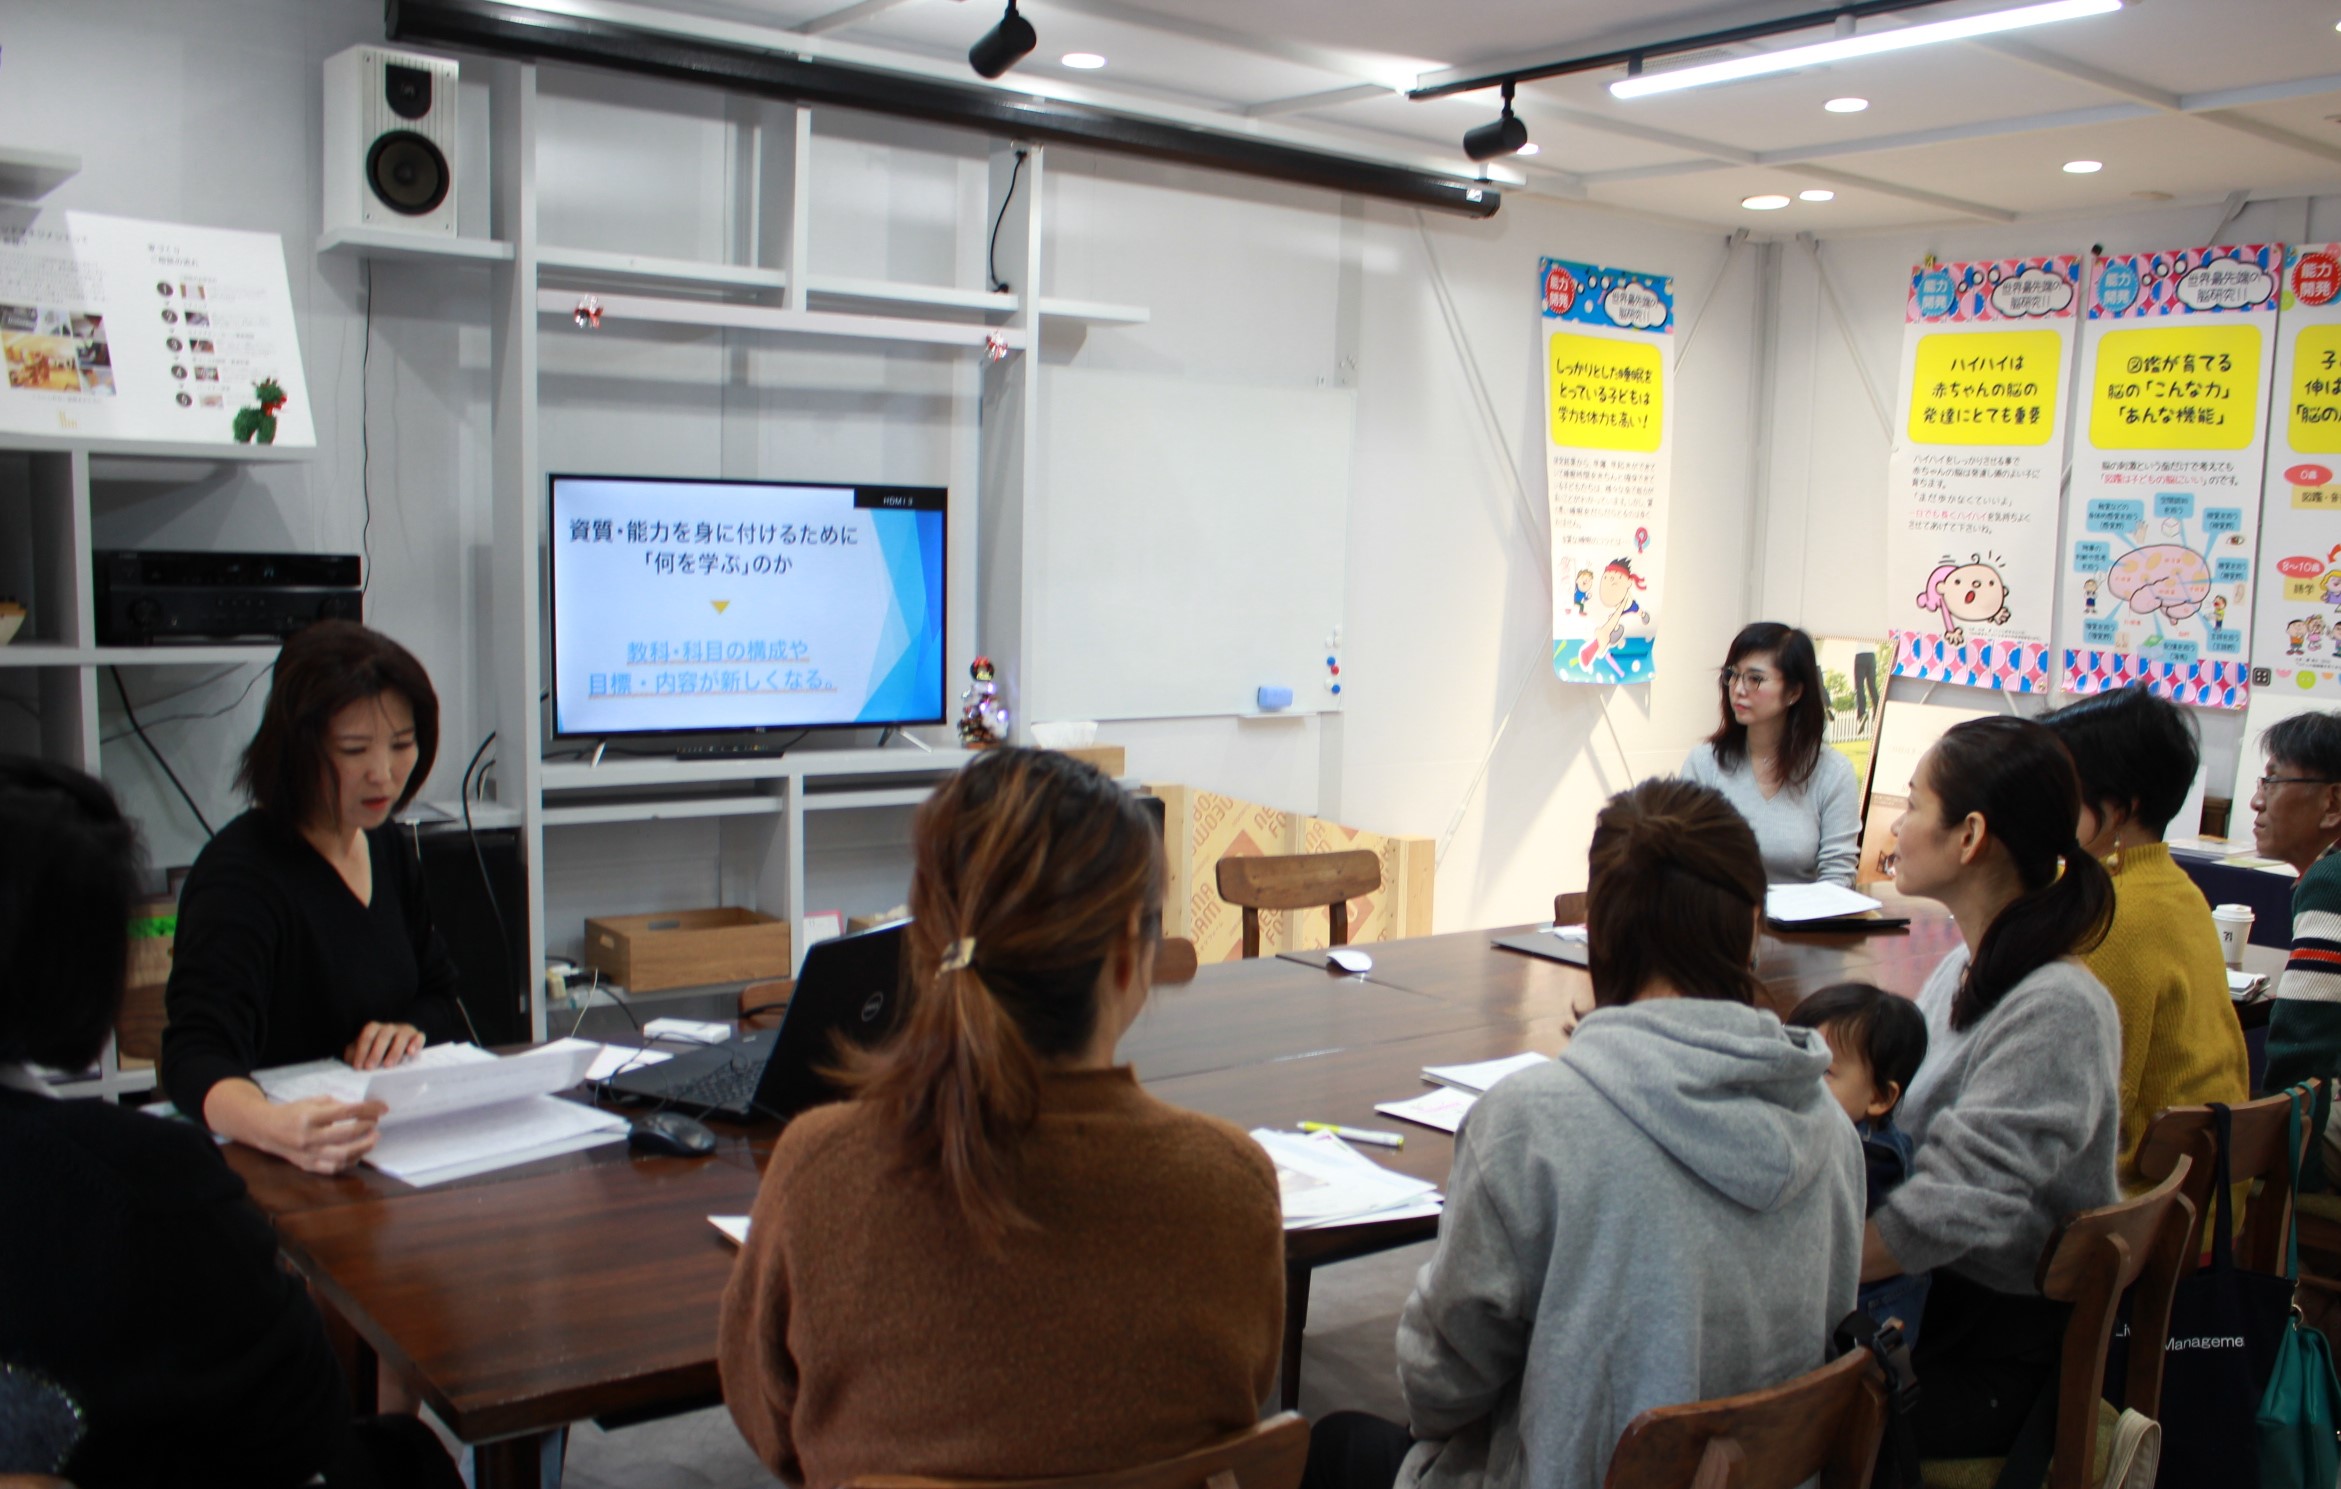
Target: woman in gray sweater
column 1770, row 759
column 1669, row 1211
column 2017, row 1110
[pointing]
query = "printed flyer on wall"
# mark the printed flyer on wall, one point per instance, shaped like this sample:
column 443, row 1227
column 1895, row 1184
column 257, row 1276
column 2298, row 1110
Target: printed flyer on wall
column 1973, row 477
column 2159, row 540
column 1608, row 343
column 115, row 329
column 2296, row 615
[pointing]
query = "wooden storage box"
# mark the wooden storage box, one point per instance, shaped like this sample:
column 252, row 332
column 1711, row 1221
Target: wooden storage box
column 687, row 948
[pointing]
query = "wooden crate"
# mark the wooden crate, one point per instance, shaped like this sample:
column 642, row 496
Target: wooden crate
column 138, row 1028
column 687, row 948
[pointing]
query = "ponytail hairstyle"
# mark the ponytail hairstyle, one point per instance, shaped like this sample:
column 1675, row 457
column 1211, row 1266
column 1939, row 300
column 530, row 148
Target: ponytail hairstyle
column 1804, row 729
column 1029, row 869
column 2018, row 776
column 1674, row 885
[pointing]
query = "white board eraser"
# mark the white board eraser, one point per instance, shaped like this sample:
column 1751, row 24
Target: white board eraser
column 1274, row 698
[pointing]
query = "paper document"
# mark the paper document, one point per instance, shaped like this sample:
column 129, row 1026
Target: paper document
column 479, row 1140
column 691, row 1031
column 1477, row 1077
column 1325, row 1181
column 1442, row 1108
column 2245, row 986
column 734, row 1227
column 1574, row 933
column 442, row 1078
column 1790, row 903
column 618, row 1057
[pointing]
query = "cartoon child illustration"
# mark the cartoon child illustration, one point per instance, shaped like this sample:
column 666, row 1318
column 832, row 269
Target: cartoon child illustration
column 2089, row 597
column 1585, row 589
column 2218, row 612
column 2316, row 634
column 2294, row 635
column 1619, row 583
column 1972, row 593
column 2333, row 587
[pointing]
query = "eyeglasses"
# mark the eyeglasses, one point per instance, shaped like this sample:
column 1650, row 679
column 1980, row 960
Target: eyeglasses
column 1732, row 677
column 2267, row 781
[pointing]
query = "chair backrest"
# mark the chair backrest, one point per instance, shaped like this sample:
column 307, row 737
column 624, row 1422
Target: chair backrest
column 763, row 1004
column 32, row 1481
column 2255, row 1151
column 2090, row 1260
column 1298, row 881
column 1174, row 960
column 1569, row 908
column 1827, row 1423
column 1266, row 1455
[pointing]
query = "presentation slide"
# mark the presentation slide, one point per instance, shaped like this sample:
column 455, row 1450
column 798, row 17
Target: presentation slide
column 699, row 605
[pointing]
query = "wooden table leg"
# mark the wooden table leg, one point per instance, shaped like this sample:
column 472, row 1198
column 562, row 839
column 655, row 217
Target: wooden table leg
column 531, row 1462
column 361, row 1370
column 1296, row 1324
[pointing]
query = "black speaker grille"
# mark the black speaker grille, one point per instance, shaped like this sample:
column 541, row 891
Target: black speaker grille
column 407, row 172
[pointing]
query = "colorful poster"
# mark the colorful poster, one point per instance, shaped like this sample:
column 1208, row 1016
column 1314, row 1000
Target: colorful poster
column 1608, row 343
column 2159, row 541
column 2296, row 616
column 1973, row 475
column 112, row 328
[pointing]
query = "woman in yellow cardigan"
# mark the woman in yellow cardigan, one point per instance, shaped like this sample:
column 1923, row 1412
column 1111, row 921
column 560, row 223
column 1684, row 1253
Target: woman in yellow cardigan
column 2181, row 1044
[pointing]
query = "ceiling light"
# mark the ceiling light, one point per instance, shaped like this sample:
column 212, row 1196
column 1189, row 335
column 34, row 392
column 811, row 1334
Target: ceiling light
column 1767, row 203
column 1845, row 48
column 1531, row 148
column 2083, row 167
column 1004, row 45
column 1846, row 105
column 1086, row 61
column 1504, row 137
column 1816, row 195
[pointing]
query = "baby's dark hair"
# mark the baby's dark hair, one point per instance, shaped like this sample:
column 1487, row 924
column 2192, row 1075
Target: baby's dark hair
column 1889, row 1031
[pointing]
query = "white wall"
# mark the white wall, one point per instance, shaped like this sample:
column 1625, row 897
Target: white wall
column 1823, row 563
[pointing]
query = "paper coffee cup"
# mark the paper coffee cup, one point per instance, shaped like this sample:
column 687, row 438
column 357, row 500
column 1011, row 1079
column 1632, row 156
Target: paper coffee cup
column 2235, row 931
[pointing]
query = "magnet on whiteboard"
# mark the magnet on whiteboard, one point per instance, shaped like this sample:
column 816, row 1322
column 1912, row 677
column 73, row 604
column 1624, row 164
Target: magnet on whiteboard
column 1272, row 699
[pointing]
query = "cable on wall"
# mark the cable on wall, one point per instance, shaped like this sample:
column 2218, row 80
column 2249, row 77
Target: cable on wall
column 366, row 442
column 140, row 731
column 503, row 931
column 992, row 253
column 1861, row 365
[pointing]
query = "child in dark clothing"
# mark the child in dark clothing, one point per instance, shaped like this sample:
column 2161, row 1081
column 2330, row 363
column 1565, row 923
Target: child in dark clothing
column 1876, row 1044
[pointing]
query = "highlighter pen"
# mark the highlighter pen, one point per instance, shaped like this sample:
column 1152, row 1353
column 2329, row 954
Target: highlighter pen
column 1357, row 1134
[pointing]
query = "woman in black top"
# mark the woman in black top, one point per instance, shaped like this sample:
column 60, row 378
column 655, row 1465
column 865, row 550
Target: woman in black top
column 134, row 1275
column 303, row 933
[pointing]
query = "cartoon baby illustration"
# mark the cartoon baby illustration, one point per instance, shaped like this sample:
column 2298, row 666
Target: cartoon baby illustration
column 1972, row 593
column 2294, row 635
column 2316, row 634
column 1585, row 589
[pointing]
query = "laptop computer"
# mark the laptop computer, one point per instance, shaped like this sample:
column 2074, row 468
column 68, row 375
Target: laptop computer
column 849, row 991
column 1545, row 944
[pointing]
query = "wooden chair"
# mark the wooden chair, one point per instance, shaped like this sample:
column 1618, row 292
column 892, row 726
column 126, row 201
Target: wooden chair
column 1569, row 909
column 1174, row 961
column 1298, row 881
column 2090, row 1260
column 1828, row 1423
column 138, row 1028
column 762, row 1004
column 2256, row 1151
column 1266, row 1455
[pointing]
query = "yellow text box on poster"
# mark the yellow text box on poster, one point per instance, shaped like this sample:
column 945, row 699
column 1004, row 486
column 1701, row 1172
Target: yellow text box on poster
column 1985, row 387
column 2176, row 388
column 2304, row 589
column 2317, row 498
column 1606, row 395
column 2315, row 396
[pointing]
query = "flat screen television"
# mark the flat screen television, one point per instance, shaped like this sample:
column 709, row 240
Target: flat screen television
column 688, row 607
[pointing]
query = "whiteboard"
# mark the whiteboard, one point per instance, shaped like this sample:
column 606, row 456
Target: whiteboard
column 1188, row 545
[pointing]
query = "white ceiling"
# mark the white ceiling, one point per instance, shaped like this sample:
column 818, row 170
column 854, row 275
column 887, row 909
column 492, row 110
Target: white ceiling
column 2192, row 98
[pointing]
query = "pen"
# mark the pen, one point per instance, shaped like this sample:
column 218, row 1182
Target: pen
column 1358, row 1134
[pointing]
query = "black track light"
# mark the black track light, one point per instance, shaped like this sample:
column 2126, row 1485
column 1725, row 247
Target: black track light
column 1504, row 137
column 1004, row 45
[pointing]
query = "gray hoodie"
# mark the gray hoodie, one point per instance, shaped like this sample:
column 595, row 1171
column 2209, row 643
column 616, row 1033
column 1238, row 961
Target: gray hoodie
column 1669, row 1212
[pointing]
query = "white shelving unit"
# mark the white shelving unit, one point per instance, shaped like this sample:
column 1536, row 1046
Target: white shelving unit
column 28, row 175
column 769, row 294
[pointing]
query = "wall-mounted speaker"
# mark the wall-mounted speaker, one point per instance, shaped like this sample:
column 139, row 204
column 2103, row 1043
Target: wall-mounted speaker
column 390, row 142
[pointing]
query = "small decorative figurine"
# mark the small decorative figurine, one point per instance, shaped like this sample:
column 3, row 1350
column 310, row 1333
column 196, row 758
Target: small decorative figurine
column 983, row 717
column 259, row 421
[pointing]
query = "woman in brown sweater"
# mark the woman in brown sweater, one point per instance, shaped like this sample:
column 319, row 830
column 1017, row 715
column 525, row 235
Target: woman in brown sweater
column 1004, row 1259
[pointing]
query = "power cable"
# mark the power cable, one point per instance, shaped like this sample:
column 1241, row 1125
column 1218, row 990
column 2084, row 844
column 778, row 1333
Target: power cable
column 140, row 731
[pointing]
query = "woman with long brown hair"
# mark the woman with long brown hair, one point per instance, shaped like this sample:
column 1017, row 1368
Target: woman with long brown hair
column 1770, row 758
column 1002, row 1259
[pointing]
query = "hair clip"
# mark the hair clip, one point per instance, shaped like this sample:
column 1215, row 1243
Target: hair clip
column 960, row 956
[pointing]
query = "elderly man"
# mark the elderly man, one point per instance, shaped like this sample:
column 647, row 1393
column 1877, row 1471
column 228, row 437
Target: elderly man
column 2296, row 816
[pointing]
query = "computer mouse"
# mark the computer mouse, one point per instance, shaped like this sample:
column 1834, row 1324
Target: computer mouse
column 671, row 1134
column 1350, row 960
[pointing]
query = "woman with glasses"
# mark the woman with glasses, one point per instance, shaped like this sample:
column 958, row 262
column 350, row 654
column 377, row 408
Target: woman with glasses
column 2296, row 817
column 1769, row 760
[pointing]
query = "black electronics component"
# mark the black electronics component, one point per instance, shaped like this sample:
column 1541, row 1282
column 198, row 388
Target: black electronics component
column 145, row 597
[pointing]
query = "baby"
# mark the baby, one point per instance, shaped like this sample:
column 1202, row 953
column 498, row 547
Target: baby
column 1876, row 1043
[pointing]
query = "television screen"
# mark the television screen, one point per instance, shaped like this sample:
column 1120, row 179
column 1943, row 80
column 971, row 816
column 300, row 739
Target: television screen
column 682, row 606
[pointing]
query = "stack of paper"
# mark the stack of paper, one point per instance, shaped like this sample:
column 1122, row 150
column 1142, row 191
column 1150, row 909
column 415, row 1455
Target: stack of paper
column 455, row 1110
column 1327, row 1182
column 1477, row 1077
column 1442, row 1108
column 1458, row 1087
column 1793, row 904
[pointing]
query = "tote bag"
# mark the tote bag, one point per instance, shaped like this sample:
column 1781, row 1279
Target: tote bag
column 2301, row 1406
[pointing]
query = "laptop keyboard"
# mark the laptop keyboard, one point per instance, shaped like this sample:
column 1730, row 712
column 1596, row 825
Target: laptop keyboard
column 728, row 1087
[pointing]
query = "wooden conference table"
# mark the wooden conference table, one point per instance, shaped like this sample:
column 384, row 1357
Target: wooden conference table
column 588, row 1286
